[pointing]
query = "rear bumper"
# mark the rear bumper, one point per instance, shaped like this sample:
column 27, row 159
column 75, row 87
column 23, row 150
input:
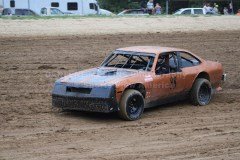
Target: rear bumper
column 104, row 105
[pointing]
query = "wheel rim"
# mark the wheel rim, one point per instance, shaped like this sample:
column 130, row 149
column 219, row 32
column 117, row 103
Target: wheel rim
column 204, row 94
column 134, row 106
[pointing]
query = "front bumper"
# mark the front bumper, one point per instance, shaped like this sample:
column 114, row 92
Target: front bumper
column 105, row 105
column 84, row 98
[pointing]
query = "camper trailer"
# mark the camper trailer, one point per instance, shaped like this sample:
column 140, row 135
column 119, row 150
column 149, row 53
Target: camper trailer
column 41, row 7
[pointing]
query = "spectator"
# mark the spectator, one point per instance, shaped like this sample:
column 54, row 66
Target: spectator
column 238, row 14
column 158, row 9
column 150, row 6
column 230, row 11
column 215, row 9
column 208, row 8
column 225, row 11
column 205, row 7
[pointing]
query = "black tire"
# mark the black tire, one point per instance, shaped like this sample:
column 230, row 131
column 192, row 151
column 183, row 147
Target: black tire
column 201, row 92
column 131, row 105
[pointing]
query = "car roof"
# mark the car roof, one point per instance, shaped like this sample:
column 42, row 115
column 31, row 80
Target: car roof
column 190, row 8
column 151, row 49
column 135, row 9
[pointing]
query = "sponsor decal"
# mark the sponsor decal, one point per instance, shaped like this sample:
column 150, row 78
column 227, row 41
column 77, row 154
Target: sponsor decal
column 148, row 78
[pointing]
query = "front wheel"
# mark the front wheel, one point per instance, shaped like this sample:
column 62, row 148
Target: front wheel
column 201, row 92
column 131, row 105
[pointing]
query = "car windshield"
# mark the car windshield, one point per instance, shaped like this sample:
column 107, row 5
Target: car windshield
column 177, row 11
column 130, row 60
column 56, row 11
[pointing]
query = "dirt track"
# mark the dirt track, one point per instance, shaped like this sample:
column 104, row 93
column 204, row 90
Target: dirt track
column 30, row 130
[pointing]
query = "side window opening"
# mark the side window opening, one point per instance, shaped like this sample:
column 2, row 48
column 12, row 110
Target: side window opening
column 54, row 4
column 167, row 63
column 12, row 3
column 93, row 6
column 188, row 11
column 188, row 60
column 198, row 11
column 72, row 6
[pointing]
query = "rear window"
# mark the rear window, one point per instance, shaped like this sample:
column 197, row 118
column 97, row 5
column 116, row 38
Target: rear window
column 73, row 6
column 188, row 60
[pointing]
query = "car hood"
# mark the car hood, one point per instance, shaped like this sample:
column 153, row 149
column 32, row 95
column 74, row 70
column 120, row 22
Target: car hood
column 98, row 76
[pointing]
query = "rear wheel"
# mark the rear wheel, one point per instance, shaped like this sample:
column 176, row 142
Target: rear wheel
column 201, row 92
column 131, row 105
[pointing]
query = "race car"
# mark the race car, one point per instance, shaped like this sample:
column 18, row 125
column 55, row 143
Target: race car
column 134, row 78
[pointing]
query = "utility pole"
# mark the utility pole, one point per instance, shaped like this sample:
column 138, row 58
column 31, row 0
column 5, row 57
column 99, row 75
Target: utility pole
column 167, row 7
column 28, row 4
column 232, row 7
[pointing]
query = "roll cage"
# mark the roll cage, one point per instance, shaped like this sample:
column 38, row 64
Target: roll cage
column 172, row 61
column 130, row 60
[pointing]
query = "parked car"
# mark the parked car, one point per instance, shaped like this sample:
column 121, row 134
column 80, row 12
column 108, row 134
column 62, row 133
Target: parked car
column 134, row 12
column 189, row 11
column 105, row 12
column 18, row 12
column 53, row 12
column 133, row 78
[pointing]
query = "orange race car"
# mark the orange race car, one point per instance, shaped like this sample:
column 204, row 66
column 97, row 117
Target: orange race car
column 133, row 78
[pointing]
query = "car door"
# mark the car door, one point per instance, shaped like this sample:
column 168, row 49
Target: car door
column 177, row 76
column 168, row 80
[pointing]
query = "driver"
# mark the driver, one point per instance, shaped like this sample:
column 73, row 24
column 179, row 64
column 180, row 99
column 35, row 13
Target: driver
column 162, row 65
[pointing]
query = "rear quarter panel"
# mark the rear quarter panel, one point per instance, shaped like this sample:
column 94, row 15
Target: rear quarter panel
column 215, row 71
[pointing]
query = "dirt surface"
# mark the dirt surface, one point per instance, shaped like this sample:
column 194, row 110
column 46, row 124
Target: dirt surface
column 29, row 129
column 115, row 25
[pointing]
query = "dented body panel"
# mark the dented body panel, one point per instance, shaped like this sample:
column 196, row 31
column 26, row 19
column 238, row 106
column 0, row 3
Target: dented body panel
column 100, row 89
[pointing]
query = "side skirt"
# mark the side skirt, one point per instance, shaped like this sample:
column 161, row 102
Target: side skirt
column 171, row 99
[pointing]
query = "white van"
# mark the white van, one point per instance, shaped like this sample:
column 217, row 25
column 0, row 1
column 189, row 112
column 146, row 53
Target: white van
column 78, row 7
